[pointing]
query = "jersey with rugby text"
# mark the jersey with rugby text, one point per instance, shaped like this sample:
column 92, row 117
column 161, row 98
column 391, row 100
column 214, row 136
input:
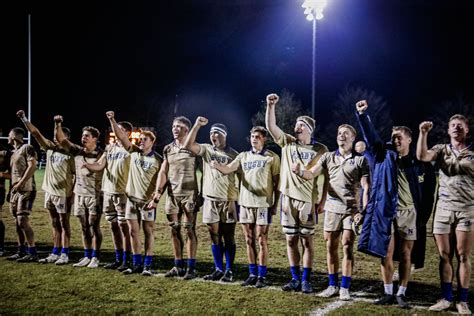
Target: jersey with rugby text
column 456, row 177
column 19, row 163
column 182, row 166
column 87, row 182
column 345, row 174
column 258, row 170
column 217, row 186
column 59, row 173
column 307, row 156
column 143, row 173
column 114, row 180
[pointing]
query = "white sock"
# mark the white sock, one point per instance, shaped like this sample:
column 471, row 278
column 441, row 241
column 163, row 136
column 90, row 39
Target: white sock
column 388, row 288
column 401, row 290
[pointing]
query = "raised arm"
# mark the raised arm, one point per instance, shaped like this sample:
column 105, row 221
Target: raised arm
column 60, row 137
column 422, row 151
column 270, row 117
column 121, row 135
column 42, row 141
column 371, row 136
column 190, row 141
column 225, row 169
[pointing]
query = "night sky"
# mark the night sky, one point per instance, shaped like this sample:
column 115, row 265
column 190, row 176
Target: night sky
column 220, row 58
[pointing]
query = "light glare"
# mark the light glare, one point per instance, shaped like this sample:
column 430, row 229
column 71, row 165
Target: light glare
column 314, row 8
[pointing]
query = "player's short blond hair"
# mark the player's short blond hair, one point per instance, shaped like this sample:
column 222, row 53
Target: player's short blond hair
column 349, row 127
column 459, row 117
column 259, row 129
column 149, row 134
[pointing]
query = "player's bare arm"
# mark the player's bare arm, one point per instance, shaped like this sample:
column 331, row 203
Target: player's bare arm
column 276, row 194
column 190, row 141
column 224, row 169
column 44, row 142
column 365, row 186
column 324, row 195
column 121, row 135
column 97, row 166
column 270, row 117
column 161, row 182
column 362, row 106
column 60, row 137
column 422, row 151
column 306, row 174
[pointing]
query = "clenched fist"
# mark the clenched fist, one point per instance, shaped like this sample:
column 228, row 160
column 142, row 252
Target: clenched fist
column 425, row 127
column 58, row 119
column 110, row 114
column 20, row 113
column 201, row 121
column 362, row 106
column 272, row 99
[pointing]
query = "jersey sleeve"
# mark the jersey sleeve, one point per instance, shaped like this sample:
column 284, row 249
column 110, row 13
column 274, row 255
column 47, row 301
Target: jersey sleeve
column 285, row 139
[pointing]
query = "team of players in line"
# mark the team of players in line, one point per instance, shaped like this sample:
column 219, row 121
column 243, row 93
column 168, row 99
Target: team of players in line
column 126, row 182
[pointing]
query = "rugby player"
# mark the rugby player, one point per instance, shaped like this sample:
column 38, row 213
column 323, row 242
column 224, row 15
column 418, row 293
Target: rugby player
column 4, row 174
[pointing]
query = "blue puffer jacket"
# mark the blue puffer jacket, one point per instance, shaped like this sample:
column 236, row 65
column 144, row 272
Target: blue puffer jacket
column 382, row 205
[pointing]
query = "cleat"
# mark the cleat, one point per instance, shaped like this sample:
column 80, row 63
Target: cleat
column 175, row 272
column 2, row 252
column 442, row 305
column 251, row 280
column 94, row 263
column 331, row 290
column 147, row 271
column 16, row 256
column 133, row 269
column 82, row 263
column 401, row 301
column 214, row 276
column 262, row 282
column 387, row 299
column 228, row 276
column 124, row 266
column 344, row 294
column 49, row 259
column 190, row 274
column 293, row 285
column 113, row 265
column 63, row 259
column 28, row 258
column 463, row 308
column 306, row 287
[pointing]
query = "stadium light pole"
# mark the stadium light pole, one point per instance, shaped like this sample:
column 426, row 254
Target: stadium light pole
column 313, row 9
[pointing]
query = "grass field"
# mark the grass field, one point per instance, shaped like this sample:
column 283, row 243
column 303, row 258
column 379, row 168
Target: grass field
column 49, row 289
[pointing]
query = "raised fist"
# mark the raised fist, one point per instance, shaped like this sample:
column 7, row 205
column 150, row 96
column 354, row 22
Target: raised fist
column 58, row 119
column 20, row 113
column 110, row 114
column 201, row 121
column 425, row 127
column 272, row 99
column 362, row 106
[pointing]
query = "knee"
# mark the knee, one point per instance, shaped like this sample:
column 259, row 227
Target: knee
column 262, row 240
column 464, row 258
column 175, row 227
column 292, row 242
column 22, row 221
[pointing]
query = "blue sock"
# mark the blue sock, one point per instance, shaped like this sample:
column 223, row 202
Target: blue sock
column 88, row 253
column 333, row 280
column 295, row 272
column 137, row 260
column 22, row 249
column 306, row 274
column 32, row 250
column 262, row 271
column 463, row 294
column 95, row 253
column 126, row 256
column 55, row 251
column 148, row 261
column 65, row 250
column 118, row 255
column 217, row 254
column 346, row 282
column 229, row 256
column 447, row 289
column 253, row 269
column 179, row 263
column 191, row 264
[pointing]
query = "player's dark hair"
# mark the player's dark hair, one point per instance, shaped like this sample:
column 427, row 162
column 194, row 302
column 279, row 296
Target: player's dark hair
column 407, row 131
column 126, row 125
column 66, row 131
column 260, row 129
column 94, row 131
column 184, row 120
column 18, row 131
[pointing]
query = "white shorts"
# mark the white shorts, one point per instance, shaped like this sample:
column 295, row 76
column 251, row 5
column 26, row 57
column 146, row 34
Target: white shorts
column 114, row 206
column 135, row 207
column 179, row 204
column 86, row 205
column 405, row 223
column 255, row 215
column 57, row 203
column 297, row 217
column 445, row 219
column 334, row 222
column 219, row 211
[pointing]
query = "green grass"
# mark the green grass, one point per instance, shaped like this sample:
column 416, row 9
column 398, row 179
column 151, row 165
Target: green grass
column 49, row 289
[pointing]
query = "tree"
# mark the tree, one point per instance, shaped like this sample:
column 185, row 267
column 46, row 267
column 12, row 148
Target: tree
column 343, row 112
column 441, row 114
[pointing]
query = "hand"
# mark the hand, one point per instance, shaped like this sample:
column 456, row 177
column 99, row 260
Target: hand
column 273, row 209
column 154, row 201
column 213, row 164
column 319, row 208
column 296, row 168
column 58, row 119
column 201, row 121
column 110, row 114
column 425, row 127
column 362, row 106
column 272, row 99
column 17, row 187
column 20, row 114
column 358, row 218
